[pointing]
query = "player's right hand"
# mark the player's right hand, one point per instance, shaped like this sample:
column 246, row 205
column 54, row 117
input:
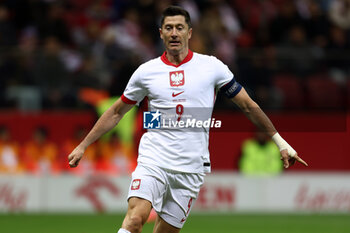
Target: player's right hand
column 75, row 157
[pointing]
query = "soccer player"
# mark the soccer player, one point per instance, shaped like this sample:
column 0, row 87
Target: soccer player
column 172, row 163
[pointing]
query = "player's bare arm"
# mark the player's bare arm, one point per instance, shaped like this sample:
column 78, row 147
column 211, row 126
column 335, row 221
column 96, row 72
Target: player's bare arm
column 259, row 118
column 105, row 123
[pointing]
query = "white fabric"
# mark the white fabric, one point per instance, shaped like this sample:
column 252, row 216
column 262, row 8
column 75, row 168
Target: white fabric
column 182, row 150
column 121, row 230
column 172, row 194
column 283, row 145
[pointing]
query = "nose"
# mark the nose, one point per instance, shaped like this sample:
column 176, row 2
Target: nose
column 174, row 32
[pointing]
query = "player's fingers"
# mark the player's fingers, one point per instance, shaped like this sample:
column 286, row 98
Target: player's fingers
column 74, row 162
column 300, row 160
column 70, row 157
column 285, row 158
column 285, row 162
column 292, row 161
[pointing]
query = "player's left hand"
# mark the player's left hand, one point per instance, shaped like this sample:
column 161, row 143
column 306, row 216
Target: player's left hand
column 290, row 160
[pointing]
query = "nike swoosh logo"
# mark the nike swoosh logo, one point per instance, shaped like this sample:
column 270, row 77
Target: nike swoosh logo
column 174, row 95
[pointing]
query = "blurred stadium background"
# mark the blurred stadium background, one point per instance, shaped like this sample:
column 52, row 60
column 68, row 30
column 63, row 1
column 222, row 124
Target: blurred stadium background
column 62, row 63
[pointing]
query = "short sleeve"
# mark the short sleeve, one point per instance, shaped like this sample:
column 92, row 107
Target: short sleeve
column 223, row 73
column 225, row 80
column 135, row 90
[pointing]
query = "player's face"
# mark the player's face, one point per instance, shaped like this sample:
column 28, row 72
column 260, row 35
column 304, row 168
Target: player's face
column 175, row 34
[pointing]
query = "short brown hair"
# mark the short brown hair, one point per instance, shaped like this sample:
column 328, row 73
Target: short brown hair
column 176, row 10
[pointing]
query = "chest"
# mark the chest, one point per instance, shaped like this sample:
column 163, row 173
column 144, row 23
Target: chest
column 172, row 86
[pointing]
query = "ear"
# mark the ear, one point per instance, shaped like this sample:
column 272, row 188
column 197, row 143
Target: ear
column 190, row 33
column 160, row 33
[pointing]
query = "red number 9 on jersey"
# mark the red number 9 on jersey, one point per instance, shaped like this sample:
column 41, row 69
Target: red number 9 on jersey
column 179, row 111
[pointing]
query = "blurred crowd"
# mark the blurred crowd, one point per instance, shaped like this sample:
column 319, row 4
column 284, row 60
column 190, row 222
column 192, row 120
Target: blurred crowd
column 42, row 156
column 51, row 51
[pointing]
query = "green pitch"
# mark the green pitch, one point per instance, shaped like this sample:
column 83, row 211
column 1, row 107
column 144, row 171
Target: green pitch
column 214, row 223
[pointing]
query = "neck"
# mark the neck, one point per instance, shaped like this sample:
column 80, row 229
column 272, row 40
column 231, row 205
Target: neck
column 178, row 57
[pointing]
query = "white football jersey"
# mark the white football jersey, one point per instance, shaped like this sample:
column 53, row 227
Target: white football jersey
column 188, row 87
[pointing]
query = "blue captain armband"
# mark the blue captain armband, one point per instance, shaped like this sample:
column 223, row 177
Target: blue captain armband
column 231, row 89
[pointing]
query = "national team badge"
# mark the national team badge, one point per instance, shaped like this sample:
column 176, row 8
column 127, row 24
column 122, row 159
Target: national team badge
column 151, row 120
column 136, row 184
column 177, row 78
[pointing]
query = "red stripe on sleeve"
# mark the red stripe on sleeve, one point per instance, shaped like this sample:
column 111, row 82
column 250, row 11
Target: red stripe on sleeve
column 127, row 101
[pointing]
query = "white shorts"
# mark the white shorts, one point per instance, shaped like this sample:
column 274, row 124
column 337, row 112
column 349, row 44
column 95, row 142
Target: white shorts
column 172, row 194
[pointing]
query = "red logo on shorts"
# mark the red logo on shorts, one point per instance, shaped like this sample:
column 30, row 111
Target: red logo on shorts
column 136, row 184
column 177, row 78
column 188, row 210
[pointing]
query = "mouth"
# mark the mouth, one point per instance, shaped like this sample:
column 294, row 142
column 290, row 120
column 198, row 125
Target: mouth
column 174, row 43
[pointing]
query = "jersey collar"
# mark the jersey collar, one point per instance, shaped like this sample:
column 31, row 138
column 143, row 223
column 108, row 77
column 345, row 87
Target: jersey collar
column 187, row 59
